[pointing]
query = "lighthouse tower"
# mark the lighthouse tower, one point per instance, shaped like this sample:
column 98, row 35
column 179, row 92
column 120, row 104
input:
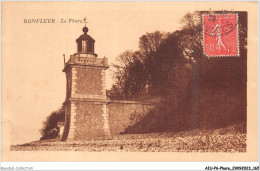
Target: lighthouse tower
column 86, row 115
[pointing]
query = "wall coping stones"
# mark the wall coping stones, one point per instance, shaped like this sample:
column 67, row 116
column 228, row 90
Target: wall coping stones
column 89, row 100
column 111, row 102
column 68, row 66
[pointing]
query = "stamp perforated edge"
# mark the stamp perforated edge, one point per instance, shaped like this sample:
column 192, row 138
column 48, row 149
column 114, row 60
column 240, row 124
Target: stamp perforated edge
column 238, row 43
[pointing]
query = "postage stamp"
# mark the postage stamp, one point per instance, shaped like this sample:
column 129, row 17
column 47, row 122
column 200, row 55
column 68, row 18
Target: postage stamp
column 220, row 35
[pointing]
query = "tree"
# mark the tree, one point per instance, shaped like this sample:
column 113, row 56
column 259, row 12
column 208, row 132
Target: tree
column 191, row 36
column 147, row 71
column 150, row 42
column 129, row 75
column 121, row 73
column 50, row 128
column 165, row 64
column 215, row 82
column 196, row 91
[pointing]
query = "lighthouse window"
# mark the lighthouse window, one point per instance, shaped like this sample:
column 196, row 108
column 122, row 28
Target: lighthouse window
column 79, row 46
column 90, row 47
column 84, row 45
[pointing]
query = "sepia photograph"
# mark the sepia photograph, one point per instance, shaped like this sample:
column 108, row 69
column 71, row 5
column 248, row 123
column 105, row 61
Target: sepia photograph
column 135, row 81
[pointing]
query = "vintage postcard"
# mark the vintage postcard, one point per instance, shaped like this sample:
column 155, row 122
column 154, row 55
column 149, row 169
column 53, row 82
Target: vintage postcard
column 129, row 81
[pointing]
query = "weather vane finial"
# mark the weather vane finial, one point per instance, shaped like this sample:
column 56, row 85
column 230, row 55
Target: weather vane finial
column 85, row 20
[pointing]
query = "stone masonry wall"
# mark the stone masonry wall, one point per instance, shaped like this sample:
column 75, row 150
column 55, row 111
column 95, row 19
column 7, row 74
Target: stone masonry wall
column 66, row 130
column 89, row 81
column 89, row 114
column 68, row 83
column 123, row 114
column 88, row 121
column 86, row 111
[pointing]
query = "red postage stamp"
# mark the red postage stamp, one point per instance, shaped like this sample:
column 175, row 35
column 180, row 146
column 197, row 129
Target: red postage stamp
column 220, row 35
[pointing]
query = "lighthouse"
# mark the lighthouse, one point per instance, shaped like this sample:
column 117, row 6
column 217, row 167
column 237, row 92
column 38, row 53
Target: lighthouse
column 86, row 115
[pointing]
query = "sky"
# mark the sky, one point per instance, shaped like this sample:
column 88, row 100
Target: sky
column 33, row 84
column 32, row 61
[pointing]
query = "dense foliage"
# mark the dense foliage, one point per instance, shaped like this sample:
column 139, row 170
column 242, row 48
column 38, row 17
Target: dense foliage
column 195, row 91
column 50, row 128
